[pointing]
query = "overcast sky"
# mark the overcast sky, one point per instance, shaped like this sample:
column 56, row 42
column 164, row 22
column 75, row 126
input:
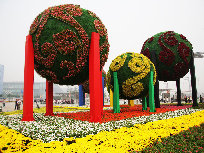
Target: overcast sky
column 129, row 24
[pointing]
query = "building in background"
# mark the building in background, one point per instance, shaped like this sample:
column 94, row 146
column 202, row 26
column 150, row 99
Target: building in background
column 15, row 90
column 70, row 93
column 1, row 78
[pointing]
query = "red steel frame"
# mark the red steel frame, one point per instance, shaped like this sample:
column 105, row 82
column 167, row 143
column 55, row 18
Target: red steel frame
column 49, row 98
column 28, row 80
column 95, row 75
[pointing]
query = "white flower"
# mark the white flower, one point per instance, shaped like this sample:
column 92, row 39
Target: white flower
column 49, row 128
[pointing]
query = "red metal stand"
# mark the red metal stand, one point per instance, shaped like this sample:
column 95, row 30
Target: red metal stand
column 95, row 77
column 49, row 98
column 28, row 80
column 101, row 104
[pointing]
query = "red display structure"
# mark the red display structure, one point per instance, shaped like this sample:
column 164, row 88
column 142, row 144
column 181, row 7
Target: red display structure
column 95, row 83
column 49, row 98
column 28, row 80
column 95, row 77
column 28, row 85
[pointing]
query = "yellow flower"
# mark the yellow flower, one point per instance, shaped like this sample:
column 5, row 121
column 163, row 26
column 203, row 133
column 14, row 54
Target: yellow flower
column 121, row 140
column 118, row 62
column 139, row 64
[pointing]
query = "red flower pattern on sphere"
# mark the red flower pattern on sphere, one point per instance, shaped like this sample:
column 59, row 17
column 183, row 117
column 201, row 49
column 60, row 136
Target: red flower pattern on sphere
column 173, row 54
column 180, row 69
column 61, row 42
column 147, row 53
column 184, row 51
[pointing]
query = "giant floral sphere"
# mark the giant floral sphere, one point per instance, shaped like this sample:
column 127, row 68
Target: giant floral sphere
column 61, row 38
column 133, row 72
column 86, row 83
column 173, row 54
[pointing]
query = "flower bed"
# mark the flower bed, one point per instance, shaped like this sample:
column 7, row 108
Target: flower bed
column 120, row 140
column 55, row 109
column 126, row 112
column 43, row 126
column 42, row 110
column 189, row 141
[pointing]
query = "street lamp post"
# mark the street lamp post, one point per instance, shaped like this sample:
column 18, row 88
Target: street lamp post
column 197, row 55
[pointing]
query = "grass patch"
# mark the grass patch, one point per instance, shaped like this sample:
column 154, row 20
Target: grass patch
column 191, row 140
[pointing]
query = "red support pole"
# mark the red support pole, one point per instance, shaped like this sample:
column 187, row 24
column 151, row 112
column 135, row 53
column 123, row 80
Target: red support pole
column 28, row 80
column 49, row 98
column 101, row 94
column 95, row 77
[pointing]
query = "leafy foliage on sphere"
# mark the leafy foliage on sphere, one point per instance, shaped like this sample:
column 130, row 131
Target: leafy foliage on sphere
column 86, row 83
column 173, row 54
column 61, row 38
column 133, row 72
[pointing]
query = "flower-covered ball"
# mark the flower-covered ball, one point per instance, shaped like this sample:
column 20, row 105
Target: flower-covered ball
column 86, row 83
column 61, row 38
column 133, row 72
column 173, row 53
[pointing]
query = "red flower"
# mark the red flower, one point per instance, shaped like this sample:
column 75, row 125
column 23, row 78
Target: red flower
column 169, row 38
column 66, row 41
column 151, row 39
column 184, row 51
column 180, row 69
column 146, row 53
column 100, row 27
column 183, row 37
column 166, row 56
column 126, row 112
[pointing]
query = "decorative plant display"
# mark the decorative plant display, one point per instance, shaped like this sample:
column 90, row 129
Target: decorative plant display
column 133, row 71
column 61, row 38
column 86, row 83
column 173, row 54
column 58, row 134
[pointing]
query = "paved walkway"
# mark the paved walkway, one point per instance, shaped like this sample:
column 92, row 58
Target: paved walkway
column 10, row 106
